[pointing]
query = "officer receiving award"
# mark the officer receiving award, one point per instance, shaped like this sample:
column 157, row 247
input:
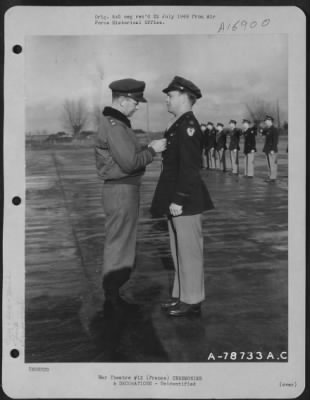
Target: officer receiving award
column 182, row 196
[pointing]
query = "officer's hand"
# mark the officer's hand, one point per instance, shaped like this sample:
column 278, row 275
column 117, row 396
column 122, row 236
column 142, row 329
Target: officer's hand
column 235, row 150
column 175, row 209
column 158, row 145
column 252, row 151
column 272, row 152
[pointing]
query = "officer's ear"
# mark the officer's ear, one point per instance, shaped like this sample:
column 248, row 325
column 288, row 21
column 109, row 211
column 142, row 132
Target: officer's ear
column 122, row 100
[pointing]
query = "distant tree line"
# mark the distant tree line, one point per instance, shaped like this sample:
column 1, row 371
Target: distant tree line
column 76, row 118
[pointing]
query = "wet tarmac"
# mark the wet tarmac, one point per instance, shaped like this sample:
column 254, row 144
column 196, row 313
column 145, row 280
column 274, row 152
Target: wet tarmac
column 245, row 268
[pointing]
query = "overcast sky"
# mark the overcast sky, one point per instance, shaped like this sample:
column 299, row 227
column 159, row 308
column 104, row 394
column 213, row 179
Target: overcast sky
column 230, row 70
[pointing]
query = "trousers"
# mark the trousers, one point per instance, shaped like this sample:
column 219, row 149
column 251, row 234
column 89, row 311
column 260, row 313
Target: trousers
column 221, row 158
column 272, row 162
column 121, row 207
column 211, row 154
column 249, row 164
column 186, row 243
column 234, row 160
column 205, row 160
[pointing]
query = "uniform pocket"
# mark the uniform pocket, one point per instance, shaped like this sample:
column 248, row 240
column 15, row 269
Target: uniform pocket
column 106, row 166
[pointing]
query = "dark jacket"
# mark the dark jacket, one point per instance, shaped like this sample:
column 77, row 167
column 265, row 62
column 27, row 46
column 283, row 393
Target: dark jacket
column 221, row 140
column 210, row 142
column 249, row 140
column 119, row 156
column 271, row 139
column 180, row 181
column 234, row 139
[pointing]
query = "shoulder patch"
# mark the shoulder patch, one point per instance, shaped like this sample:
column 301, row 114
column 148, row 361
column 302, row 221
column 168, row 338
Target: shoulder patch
column 190, row 131
column 191, row 122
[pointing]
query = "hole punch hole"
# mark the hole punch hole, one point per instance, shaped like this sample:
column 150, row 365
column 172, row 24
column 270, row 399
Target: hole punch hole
column 14, row 353
column 17, row 49
column 16, row 200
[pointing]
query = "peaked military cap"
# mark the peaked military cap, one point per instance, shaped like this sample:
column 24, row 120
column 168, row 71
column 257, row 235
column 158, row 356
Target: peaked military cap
column 246, row 121
column 232, row 121
column 129, row 88
column 210, row 123
column 220, row 124
column 183, row 85
column 268, row 118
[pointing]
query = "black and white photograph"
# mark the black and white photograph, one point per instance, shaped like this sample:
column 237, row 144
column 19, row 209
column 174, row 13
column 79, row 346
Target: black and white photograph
column 157, row 240
column 100, row 239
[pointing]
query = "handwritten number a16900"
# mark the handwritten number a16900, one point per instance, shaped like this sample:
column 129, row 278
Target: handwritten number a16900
column 243, row 24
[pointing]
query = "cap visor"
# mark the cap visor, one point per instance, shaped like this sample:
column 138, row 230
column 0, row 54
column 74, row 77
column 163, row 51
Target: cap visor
column 172, row 89
column 140, row 99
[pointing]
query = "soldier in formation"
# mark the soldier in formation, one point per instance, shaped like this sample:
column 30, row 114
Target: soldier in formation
column 216, row 143
column 234, row 135
column 211, row 133
column 271, row 148
column 205, row 161
column 220, row 147
column 249, row 150
column 209, row 141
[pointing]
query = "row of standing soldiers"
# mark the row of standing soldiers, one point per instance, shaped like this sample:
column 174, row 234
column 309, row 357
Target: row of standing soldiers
column 215, row 146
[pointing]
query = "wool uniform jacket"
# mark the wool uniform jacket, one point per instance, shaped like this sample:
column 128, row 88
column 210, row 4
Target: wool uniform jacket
column 221, row 141
column 249, row 140
column 234, row 139
column 180, row 181
column 210, row 143
column 271, row 139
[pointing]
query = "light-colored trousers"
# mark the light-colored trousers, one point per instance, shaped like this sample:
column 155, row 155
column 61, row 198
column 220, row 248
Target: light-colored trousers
column 205, row 162
column 221, row 159
column 249, row 164
column 187, row 252
column 234, row 161
column 212, row 159
column 272, row 162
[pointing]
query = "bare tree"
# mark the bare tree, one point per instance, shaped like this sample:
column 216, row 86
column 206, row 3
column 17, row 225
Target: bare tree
column 75, row 116
column 96, row 115
column 258, row 109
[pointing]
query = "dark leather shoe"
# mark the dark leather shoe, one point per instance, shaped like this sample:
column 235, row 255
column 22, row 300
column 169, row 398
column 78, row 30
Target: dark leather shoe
column 183, row 309
column 170, row 303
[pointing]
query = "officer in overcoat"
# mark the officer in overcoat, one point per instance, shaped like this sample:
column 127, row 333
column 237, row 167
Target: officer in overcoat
column 221, row 146
column 234, row 134
column 121, row 162
column 182, row 196
column 249, row 150
column 271, row 148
